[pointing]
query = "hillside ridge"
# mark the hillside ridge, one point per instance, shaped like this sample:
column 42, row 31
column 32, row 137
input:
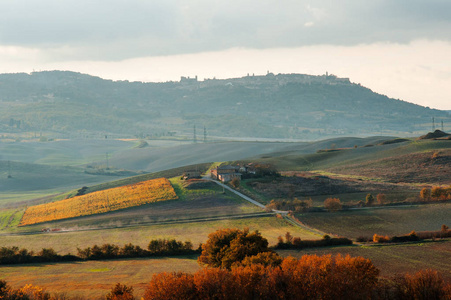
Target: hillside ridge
column 66, row 104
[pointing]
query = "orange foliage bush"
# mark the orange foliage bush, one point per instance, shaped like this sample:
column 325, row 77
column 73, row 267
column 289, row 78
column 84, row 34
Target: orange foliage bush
column 171, row 286
column 380, row 238
column 101, row 201
column 311, row 277
column 425, row 284
column 332, row 204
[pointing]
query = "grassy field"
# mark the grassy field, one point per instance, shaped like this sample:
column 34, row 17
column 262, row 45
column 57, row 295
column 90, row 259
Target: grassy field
column 385, row 221
column 296, row 160
column 94, row 279
column 196, row 232
column 395, row 259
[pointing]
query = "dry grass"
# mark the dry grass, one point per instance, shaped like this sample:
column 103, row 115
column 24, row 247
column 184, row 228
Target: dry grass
column 93, row 279
column 396, row 259
column 385, row 221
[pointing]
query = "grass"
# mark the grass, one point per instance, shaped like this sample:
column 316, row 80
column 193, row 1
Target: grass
column 300, row 161
column 384, row 221
column 94, row 279
column 196, row 232
column 10, row 218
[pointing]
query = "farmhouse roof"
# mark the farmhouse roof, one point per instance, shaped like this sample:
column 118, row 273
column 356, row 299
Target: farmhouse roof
column 227, row 168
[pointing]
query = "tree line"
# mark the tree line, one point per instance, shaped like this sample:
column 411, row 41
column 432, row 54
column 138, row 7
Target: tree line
column 157, row 247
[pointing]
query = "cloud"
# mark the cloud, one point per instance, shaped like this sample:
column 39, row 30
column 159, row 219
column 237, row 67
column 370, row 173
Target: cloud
column 417, row 72
column 119, row 29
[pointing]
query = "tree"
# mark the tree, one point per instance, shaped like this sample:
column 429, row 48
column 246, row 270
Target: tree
column 120, row 292
column 425, row 194
column 332, row 204
column 264, row 258
column 425, row 284
column 381, row 199
column 171, row 286
column 225, row 247
column 369, row 200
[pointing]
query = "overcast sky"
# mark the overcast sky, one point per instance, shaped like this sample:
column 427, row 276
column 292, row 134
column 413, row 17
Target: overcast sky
column 401, row 48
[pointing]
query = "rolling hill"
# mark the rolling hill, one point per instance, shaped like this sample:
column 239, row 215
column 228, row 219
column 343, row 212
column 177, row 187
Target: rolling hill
column 68, row 104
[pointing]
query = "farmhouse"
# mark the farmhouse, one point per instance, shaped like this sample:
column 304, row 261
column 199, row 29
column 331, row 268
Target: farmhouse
column 225, row 173
column 191, row 174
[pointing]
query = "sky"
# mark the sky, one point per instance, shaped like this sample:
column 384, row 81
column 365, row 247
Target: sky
column 399, row 48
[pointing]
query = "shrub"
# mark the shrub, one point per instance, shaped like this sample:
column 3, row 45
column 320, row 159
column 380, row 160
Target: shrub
column 425, row 284
column 332, row 204
column 369, row 200
column 120, row 292
column 381, row 199
column 425, row 194
column 380, row 238
column 171, row 286
column 264, row 258
column 235, row 182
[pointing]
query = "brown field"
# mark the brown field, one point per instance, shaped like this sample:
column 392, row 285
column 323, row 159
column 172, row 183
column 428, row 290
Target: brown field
column 93, row 279
column 431, row 167
column 320, row 185
column 384, row 221
column 395, row 259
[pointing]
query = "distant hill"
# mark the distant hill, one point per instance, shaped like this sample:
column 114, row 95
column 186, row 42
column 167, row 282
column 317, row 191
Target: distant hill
column 68, row 104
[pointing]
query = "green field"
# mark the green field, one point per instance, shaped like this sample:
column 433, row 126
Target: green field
column 196, row 232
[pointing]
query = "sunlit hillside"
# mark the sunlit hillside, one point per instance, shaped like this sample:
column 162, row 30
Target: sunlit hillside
column 101, row 201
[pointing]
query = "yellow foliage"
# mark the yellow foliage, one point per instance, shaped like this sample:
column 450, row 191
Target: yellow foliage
column 101, row 201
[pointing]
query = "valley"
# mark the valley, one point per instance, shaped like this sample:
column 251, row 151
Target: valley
column 342, row 168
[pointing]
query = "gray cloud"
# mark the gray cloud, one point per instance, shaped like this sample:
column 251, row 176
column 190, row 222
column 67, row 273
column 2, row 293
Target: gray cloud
column 119, row 29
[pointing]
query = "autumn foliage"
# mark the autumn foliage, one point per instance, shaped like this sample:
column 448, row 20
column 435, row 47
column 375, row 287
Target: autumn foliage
column 101, row 201
column 311, row 277
column 437, row 193
column 332, row 204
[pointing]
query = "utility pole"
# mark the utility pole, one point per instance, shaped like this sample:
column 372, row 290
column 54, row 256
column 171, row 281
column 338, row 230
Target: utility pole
column 194, row 135
column 442, row 127
column 433, row 124
column 9, row 169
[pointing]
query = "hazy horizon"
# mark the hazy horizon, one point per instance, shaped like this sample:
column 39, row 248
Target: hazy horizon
column 398, row 48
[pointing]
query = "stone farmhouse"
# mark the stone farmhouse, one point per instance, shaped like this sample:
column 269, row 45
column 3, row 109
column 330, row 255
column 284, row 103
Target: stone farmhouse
column 226, row 173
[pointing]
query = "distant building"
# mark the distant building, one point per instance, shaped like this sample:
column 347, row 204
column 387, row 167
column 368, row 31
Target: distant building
column 226, row 173
column 191, row 174
column 188, row 79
